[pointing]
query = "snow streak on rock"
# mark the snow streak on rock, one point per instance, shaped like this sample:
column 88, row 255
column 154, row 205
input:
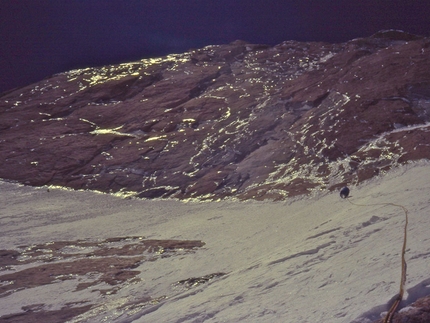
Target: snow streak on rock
column 242, row 120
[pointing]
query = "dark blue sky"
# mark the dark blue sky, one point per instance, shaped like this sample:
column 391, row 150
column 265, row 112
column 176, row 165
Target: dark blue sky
column 41, row 37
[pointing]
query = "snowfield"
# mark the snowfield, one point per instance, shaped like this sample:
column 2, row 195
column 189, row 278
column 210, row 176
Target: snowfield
column 314, row 259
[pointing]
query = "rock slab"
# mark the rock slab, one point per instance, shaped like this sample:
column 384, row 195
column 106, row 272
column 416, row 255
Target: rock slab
column 243, row 120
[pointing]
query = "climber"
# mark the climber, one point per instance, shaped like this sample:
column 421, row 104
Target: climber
column 344, row 192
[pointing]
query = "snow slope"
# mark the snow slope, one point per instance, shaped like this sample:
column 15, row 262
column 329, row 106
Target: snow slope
column 318, row 259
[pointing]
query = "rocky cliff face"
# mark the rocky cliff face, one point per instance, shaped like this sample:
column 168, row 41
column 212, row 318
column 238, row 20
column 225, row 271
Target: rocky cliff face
column 242, row 120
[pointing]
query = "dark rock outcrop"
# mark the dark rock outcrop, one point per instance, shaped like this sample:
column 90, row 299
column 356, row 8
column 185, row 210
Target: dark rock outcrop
column 418, row 312
column 111, row 261
column 242, row 120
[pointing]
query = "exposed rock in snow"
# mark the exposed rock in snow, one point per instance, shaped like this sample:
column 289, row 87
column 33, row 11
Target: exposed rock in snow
column 417, row 312
column 243, row 120
column 85, row 257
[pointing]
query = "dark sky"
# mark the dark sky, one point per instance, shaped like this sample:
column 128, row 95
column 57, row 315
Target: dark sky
column 41, row 37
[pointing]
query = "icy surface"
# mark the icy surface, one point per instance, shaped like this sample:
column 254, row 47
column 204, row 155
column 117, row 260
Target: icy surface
column 318, row 259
